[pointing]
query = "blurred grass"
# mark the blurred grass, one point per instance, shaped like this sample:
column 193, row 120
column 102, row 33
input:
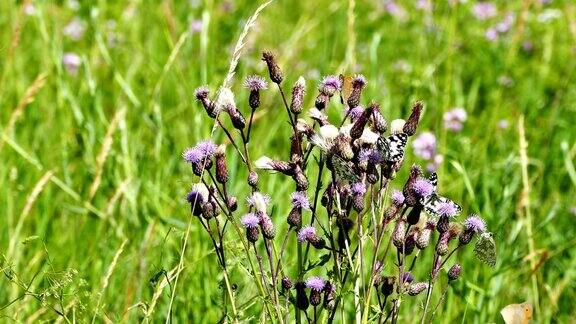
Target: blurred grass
column 441, row 58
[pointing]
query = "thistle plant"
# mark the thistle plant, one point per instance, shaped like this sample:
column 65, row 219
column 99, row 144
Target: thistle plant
column 357, row 234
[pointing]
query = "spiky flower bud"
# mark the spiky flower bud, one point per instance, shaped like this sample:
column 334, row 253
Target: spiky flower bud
column 221, row 169
column 454, row 272
column 412, row 122
column 358, row 126
column 416, row 288
column 442, row 246
column 208, row 210
column 321, row 101
column 300, row 179
column 409, row 242
column 410, row 198
column 358, row 84
column 301, row 298
column 253, row 179
column 443, row 224
column 465, row 237
column 424, row 238
column 388, row 285
column 295, row 217
column 286, row 283
column 414, row 215
column 201, row 95
column 268, row 229
column 275, row 73
column 236, row 117
column 399, row 233
column 298, row 92
column 232, row 203
column 379, row 123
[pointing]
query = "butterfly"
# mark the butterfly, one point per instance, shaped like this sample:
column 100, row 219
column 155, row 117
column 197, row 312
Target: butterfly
column 346, row 89
column 343, row 170
column 485, row 249
column 517, row 313
column 433, row 202
column 391, row 148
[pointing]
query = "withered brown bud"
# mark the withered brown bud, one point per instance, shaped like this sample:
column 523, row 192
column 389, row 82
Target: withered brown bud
column 253, row 179
column 298, row 92
column 317, row 242
column 412, row 122
column 221, row 169
column 232, row 203
column 236, row 117
column 388, row 285
column 321, row 101
column 443, row 224
column 358, row 126
column 275, row 73
column 454, row 230
column 295, row 217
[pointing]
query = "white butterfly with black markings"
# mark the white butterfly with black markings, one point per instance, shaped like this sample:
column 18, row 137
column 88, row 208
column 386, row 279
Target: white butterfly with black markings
column 392, row 147
column 433, row 202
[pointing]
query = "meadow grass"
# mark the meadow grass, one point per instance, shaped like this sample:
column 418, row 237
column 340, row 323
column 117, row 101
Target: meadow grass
column 92, row 184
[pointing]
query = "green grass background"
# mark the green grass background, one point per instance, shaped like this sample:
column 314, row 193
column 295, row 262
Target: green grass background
column 441, row 58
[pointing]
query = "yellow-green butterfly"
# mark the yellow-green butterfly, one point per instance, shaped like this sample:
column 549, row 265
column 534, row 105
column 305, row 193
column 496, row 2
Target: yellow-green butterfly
column 485, row 249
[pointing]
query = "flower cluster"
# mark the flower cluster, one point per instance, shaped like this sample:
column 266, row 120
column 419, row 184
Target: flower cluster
column 340, row 172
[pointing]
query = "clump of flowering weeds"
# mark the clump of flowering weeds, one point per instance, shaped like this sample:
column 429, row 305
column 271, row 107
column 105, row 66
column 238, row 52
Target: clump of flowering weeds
column 369, row 238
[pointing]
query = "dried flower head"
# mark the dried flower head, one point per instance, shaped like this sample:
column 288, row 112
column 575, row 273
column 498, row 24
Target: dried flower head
column 412, row 123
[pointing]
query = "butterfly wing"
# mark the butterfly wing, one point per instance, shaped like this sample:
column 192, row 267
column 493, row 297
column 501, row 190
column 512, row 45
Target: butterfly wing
column 433, row 178
column 383, row 148
column 485, row 249
column 396, row 144
column 517, row 313
column 346, row 89
column 433, row 202
column 343, row 171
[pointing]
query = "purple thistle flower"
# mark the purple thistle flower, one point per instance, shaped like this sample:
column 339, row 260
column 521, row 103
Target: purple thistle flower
column 255, row 83
column 407, row 277
column 305, row 233
column 455, row 118
column 355, row 112
column 425, row 5
column 447, row 208
column 315, row 283
column 75, row 29
column 484, row 10
column 358, row 189
column 398, row 198
column 491, row 34
column 503, row 124
column 250, row 220
column 330, row 84
column 71, row 62
column 196, row 26
column 423, row 188
column 475, row 223
column 425, row 146
column 300, row 200
column 203, row 150
column 201, row 92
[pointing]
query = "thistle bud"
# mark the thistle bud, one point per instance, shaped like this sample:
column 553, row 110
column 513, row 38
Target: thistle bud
column 232, row 203
column 321, row 101
column 236, row 117
column 286, row 283
column 252, row 234
column 208, row 210
column 298, row 92
column 329, row 290
column 412, row 123
column 414, row 215
column 379, row 123
column 442, row 246
column 358, row 203
column 372, row 175
column 201, row 95
column 399, row 233
column 416, row 288
column 358, row 84
column 465, row 237
column 199, row 167
column 454, row 272
column 410, row 242
column 317, row 242
column 443, row 224
column 295, row 217
column 301, row 298
column 275, row 73
column 253, row 179
column 424, row 238
column 388, row 285
column 267, row 226
column 221, row 169
column 301, row 180
column 255, row 84
column 358, row 126
column 250, row 222
column 410, row 198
